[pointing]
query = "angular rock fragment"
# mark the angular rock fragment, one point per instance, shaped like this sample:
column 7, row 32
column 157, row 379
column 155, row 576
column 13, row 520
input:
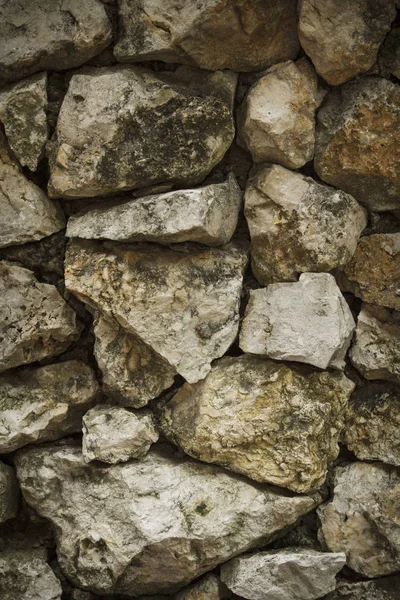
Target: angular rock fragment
column 38, row 35
column 362, row 518
column 262, row 419
column 245, row 36
column 298, row 225
column 183, row 302
column 148, row 526
column 44, row 403
column 208, row 588
column 125, row 127
column 299, row 573
column 35, row 321
column 25, row 575
column 308, row 321
column 9, row 493
column 343, row 38
column 386, row 588
column 357, row 142
column 389, row 59
column 207, row 215
column 277, row 117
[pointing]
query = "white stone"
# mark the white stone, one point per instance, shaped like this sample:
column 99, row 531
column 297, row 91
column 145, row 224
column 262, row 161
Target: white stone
column 25, row 575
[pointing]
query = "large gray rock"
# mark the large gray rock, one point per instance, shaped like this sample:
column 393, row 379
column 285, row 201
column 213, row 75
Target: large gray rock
column 362, row 518
column 37, row 35
column 183, row 302
column 44, row 403
column 125, row 127
column 342, row 38
column 148, row 526
column 308, row 321
column 212, row 34
column 25, row 575
column 277, row 117
column 386, row 588
column 357, row 142
column 207, row 215
column 298, row 225
column 35, row 320
column 9, row 493
column 288, row 574
column 262, row 419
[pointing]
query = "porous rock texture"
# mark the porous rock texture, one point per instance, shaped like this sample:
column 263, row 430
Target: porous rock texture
column 9, row 493
column 25, row 575
column 386, row 588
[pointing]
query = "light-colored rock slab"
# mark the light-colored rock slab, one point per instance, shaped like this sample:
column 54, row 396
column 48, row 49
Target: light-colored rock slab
column 308, row 321
column 298, row 225
column 183, row 302
column 9, row 493
column 148, row 526
column 25, row 575
column 343, row 38
column 299, row 573
column 208, row 588
column 35, row 320
column 386, row 588
column 262, row 419
column 127, row 127
column 362, row 518
column 277, row 117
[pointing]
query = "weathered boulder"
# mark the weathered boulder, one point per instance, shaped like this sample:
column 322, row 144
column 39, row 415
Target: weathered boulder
column 362, row 518
column 208, row 588
column 373, row 274
column 207, row 215
column 262, row 419
column 126, row 127
column 44, row 403
column 357, row 147
column 25, row 575
column 132, row 372
column 38, row 35
column 389, row 58
column 299, row 573
column 343, row 38
column 242, row 36
column 298, row 225
column 35, row 321
column 386, row 588
column 375, row 351
column 277, row 117
column 148, row 526
column 183, row 302
column 308, row 321
column 9, row 493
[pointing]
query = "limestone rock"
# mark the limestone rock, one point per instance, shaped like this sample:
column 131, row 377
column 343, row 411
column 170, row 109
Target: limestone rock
column 308, row 321
column 357, row 142
column 207, row 215
column 389, row 58
column 183, row 302
column 9, row 493
column 372, row 425
column 277, row 117
column 376, row 348
column 242, row 36
column 262, row 419
column 41, row 34
column 373, row 274
column 25, row 575
column 362, row 518
column 298, row 225
column 299, row 573
column 386, row 588
column 343, row 38
column 126, row 127
column 132, row 372
column 208, row 588
column 148, row 526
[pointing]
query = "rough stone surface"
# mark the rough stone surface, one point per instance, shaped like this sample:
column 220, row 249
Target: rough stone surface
column 389, row 59
column 207, row 215
column 9, row 493
column 125, row 127
column 44, row 403
column 277, row 117
column 308, row 321
column 262, row 419
column 357, row 142
column 208, row 588
column 132, row 372
column 362, row 518
column 386, row 588
column 148, row 526
column 298, row 225
column 183, row 302
column 342, row 38
column 373, row 274
column 372, row 425
column 35, row 321
column 213, row 34
column 299, row 573
column 376, row 348
column 42, row 34
column 25, row 575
